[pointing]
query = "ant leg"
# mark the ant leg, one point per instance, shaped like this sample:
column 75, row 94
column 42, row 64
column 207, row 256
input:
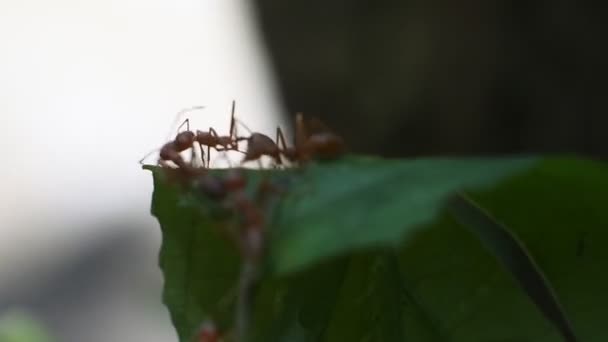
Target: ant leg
column 193, row 157
column 301, row 131
column 215, row 135
column 280, row 140
column 213, row 132
column 232, row 124
column 202, row 149
column 221, row 149
column 179, row 115
column 234, row 136
column 187, row 123
column 233, row 130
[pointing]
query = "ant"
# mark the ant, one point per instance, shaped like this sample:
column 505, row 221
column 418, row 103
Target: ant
column 185, row 140
column 312, row 140
column 317, row 141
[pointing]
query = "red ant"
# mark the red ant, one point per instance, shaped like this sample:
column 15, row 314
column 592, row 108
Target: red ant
column 312, row 140
column 185, row 140
column 317, row 140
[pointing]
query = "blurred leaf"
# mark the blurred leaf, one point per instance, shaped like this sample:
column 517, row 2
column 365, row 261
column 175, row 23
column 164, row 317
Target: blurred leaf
column 361, row 249
column 559, row 210
column 20, row 327
column 199, row 267
column 513, row 255
column 331, row 209
column 362, row 202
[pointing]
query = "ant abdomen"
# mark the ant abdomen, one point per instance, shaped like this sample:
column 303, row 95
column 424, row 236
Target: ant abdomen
column 326, row 146
column 259, row 145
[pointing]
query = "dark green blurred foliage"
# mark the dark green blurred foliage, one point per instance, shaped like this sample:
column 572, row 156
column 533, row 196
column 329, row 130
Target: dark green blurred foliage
column 402, row 78
column 364, row 249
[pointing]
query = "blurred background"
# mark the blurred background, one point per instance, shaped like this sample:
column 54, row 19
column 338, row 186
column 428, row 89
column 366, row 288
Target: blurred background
column 406, row 78
column 88, row 87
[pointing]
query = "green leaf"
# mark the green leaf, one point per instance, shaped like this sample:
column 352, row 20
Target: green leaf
column 331, row 210
column 510, row 251
column 362, row 249
column 199, row 266
column 362, row 202
column 559, row 210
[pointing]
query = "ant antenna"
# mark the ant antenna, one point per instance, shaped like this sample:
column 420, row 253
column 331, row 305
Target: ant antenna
column 178, row 117
column 187, row 123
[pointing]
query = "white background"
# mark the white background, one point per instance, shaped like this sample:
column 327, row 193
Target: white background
column 86, row 89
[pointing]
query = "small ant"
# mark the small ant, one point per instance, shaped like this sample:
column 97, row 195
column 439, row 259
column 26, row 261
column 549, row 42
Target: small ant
column 317, row 140
column 185, row 140
column 312, row 140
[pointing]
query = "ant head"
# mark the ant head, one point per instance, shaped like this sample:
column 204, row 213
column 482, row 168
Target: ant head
column 184, row 140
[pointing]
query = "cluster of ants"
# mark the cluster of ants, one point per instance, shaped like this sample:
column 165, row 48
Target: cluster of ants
column 312, row 140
